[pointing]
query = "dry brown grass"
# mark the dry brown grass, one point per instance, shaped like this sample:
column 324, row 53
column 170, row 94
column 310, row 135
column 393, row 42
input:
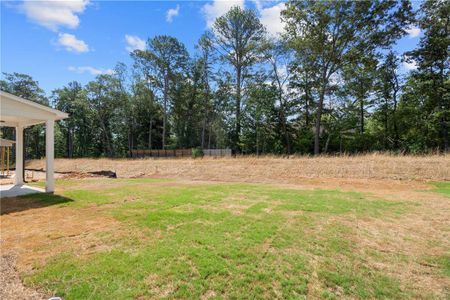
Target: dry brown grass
column 268, row 169
column 36, row 234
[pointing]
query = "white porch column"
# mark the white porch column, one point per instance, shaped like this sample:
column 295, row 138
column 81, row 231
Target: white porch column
column 49, row 155
column 19, row 156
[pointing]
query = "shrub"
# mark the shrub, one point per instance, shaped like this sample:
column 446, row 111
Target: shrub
column 197, row 152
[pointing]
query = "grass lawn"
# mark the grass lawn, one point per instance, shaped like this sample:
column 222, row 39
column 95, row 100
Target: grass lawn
column 442, row 187
column 235, row 241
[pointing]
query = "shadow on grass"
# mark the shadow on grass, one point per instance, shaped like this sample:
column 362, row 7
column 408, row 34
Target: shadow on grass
column 22, row 203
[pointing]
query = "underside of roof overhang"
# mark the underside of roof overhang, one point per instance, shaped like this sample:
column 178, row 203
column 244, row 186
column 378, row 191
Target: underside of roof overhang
column 16, row 111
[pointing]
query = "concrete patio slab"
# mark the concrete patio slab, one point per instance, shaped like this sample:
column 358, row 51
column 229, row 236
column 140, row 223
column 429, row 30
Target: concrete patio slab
column 11, row 190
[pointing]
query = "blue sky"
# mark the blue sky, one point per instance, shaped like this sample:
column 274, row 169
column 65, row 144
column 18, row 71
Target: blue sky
column 60, row 41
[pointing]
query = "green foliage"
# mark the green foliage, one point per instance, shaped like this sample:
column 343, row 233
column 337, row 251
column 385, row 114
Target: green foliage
column 331, row 84
column 239, row 33
column 77, row 129
column 197, row 152
column 163, row 64
column 431, row 79
column 341, row 36
column 25, row 86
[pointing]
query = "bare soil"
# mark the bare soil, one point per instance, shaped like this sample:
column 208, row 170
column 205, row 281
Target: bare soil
column 12, row 287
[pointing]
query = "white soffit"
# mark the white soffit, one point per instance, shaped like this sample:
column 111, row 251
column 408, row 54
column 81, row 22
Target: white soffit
column 16, row 111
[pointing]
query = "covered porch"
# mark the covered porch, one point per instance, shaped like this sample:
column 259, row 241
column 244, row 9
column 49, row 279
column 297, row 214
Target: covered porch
column 20, row 113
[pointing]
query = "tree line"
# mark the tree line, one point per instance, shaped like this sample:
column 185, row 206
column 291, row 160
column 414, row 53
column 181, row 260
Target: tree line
column 331, row 83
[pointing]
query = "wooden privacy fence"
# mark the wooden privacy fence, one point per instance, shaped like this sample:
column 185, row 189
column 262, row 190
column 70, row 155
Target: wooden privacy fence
column 177, row 152
column 161, row 153
column 217, row 152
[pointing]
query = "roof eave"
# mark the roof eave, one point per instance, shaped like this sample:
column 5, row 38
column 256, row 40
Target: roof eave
column 59, row 114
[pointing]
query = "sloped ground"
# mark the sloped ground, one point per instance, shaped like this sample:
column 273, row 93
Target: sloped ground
column 161, row 238
column 266, row 169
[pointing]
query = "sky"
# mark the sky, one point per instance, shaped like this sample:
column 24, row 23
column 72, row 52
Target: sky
column 61, row 41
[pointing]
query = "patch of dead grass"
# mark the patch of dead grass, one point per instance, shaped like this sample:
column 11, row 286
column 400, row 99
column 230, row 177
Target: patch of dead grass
column 404, row 243
column 36, row 234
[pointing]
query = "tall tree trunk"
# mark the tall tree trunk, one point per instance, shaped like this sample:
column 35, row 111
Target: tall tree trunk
column 150, row 129
column 257, row 139
column 442, row 106
column 203, row 133
column 238, row 110
column 307, row 101
column 307, row 116
column 361, row 104
column 209, row 136
column 166, row 92
column 361, row 114
column 319, row 116
column 206, row 101
column 394, row 120
column 84, row 137
column 106, row 139
column 386, row 119
column 445, row 134
column 69, row 142
column 285, row 131
column 282, row 113
column 130, row 137
column 327, row 143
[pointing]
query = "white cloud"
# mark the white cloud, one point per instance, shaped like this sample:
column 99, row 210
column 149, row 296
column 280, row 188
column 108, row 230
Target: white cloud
column 171, row 13
column 217, row 8
column 258, row 4
column 413, row 31
column 271, row 18
column 71, row 43
column 91, row 70
column 134, row 43
column 409, row 65
column 55, row 13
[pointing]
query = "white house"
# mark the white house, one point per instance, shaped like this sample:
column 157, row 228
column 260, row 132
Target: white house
column 21, row 113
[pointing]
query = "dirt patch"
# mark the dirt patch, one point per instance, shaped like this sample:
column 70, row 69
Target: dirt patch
column 160, row 291
column 208, row 295
column 39, row 174
column 11, row 286
column 103, row 173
